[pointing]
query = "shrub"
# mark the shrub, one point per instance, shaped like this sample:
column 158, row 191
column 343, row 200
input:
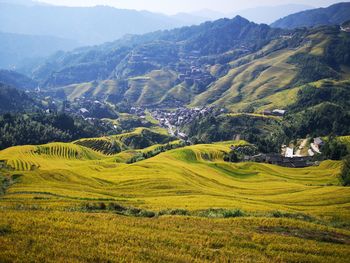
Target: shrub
column 5, row 229
column 94, row 206
column 345, row 173
column 145, row 213
column 233, row 213
column 334, row 149
column 116, row 207
column 300, row 216
column 221, row 213
column 133, row 211
column 179, row 212
column 102, row 206
column 277, row 214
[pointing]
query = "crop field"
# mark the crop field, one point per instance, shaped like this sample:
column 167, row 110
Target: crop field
column 37, row 236
column 137, row 139
column 57, row 206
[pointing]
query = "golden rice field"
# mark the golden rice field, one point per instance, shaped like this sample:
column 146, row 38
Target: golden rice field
column 37, row 236
column 42, row 217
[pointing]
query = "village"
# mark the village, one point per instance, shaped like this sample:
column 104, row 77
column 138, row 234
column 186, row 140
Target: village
column 299, row 156
column 175, row 119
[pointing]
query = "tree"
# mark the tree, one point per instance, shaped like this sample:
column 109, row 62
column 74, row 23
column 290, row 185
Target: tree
column 232, row 157
column 345, row 173
column 334, row 149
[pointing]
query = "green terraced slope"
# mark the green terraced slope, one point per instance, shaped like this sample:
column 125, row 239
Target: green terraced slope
column 170, row 73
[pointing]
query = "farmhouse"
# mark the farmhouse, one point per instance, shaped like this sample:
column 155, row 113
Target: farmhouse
column 279, row 112
column 276, row 159
column 318, row 141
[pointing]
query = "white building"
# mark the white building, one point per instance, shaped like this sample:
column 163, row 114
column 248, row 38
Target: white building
column 289, row 152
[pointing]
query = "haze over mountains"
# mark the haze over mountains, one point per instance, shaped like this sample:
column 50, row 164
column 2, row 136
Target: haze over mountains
column 332, row 15
column 31, row 30
column 19, row 50
column 24, row 22
column 261, row 14
column 95, row 25
column 231, row 62
column 86, row 25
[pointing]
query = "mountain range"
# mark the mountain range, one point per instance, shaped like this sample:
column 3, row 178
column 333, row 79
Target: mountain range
column 31, row 30
column 86, row 25
column 95, row 25
column 234, row 63
column 333, row 15
column 229, row 62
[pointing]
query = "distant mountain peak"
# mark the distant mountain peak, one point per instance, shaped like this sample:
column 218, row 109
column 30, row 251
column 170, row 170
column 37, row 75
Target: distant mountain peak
column 333, row 15
column 240, row 19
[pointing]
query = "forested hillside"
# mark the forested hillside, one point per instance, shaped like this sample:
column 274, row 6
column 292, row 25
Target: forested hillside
column 13, row 100
column 15, row 79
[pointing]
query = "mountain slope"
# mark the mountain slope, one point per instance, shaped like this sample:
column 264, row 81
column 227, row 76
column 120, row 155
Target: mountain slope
column 15, row 79
column 332, row 15
column 13, row 100
column 273, row 75
column 20, row 50
column 233, row 63
column 139, row 55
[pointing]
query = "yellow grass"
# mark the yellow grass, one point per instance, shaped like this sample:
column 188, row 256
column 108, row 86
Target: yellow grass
column 194, row 177
column 41, row 217
column 49, row 236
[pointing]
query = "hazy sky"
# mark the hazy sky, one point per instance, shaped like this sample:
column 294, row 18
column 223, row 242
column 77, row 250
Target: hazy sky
column 175, row 6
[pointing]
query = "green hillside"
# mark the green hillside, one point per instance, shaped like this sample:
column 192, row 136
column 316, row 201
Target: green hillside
column 271, row 78
column 14, row 100
column 15, row 79
column 178, row 68
column 139, row 55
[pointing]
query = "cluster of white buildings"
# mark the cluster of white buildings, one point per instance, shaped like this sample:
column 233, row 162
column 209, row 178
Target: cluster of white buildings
column 291, row 152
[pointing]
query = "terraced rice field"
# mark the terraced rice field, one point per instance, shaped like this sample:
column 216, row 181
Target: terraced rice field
column 137, row 139
column 194, row 177
column 42, row 216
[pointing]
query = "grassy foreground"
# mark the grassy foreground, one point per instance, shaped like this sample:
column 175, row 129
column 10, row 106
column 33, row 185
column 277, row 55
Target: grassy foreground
column 28, row 236
column 43, row 215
